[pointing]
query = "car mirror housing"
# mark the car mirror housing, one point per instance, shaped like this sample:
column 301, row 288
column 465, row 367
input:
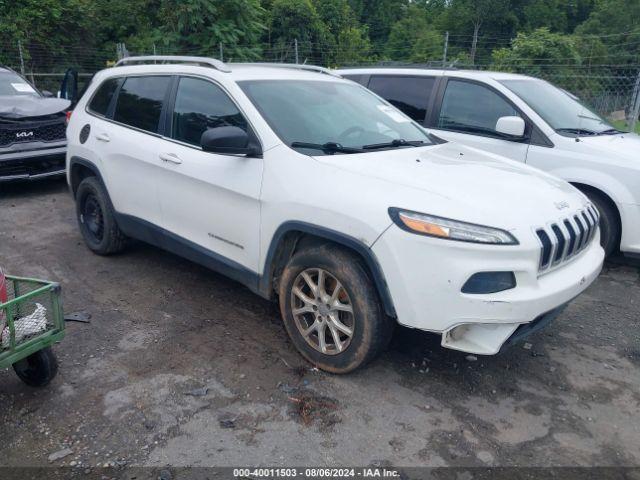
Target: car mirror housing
column 229, row 140
column 512, row 126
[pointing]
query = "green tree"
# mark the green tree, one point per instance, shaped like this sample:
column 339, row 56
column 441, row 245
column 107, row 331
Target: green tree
column 414, row 39
column 297, row 20
column 617, row 24
column 467, row 20
column 379, row 16
column 43, row 28
column 354, row 47
column 200, row 26
column 538, row 52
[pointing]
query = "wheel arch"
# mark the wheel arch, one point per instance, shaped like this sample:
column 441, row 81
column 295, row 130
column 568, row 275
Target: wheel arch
column 584, row 188
column 79, row 169
column 291, row 236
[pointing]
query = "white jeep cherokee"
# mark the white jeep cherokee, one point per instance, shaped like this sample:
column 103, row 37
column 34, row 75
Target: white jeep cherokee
column 311, row 189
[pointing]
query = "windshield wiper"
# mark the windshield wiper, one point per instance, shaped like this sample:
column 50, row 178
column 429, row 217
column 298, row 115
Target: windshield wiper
column 398, row 142
column 610, row 131
column 329, row 147
column 577, row 131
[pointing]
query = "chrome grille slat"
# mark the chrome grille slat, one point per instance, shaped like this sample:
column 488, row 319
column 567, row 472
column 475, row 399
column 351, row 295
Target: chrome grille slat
column 567, row 237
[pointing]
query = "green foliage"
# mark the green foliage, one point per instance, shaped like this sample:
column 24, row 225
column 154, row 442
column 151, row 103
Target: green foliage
column 414, row 39
column 43, row 25
column 353, row 47
column 200, row 26
column 297, row 19
column 541, row 49
column 622, row 19
column 56, row 34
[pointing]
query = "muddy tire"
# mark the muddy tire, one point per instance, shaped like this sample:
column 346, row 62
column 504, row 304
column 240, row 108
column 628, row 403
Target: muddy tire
column 96, row 218
column 38, row 369
column 609, row 223
column 331, row 309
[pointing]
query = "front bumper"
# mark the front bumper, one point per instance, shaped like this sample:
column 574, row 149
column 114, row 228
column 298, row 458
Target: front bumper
column 38, row 161
column 425, row 277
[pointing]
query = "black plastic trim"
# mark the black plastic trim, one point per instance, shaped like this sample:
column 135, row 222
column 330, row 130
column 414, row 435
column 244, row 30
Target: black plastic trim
column 539, row 323
column 148, row 232
column 478, row 283
column 266, row 286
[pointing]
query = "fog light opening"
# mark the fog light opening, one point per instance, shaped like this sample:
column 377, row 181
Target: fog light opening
column 489, row 282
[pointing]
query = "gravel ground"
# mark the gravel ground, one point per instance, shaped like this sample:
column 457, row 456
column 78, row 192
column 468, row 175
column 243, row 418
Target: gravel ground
column 183, row 367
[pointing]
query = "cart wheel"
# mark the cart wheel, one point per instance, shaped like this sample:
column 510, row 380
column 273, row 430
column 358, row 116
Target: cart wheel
column 38, row 369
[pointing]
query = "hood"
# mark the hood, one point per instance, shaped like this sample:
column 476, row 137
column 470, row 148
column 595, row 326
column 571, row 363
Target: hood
column 466, row 184
column 623, row 148
column 22, row 106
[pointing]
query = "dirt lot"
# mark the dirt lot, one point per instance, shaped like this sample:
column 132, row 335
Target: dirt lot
column 180, row 366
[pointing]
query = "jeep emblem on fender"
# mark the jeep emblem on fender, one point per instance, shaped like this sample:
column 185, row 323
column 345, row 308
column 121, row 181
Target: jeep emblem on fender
column 24, row 134
column 561, row 205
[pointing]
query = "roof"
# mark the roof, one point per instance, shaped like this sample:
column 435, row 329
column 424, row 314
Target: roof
column 478, row 74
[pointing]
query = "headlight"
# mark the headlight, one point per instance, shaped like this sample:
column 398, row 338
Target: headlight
column 433, row 226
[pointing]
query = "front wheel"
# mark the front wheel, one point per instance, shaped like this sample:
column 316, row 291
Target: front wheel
column 38, row 369
column 609, row 224
column 331, row 309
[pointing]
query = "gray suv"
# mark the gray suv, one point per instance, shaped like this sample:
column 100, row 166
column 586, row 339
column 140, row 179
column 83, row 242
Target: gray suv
column 33, row 139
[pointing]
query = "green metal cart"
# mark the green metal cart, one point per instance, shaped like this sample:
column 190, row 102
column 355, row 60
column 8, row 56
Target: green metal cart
column 31, row 320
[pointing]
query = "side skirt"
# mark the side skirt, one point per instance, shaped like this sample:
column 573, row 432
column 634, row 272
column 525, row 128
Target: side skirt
column 149, row 233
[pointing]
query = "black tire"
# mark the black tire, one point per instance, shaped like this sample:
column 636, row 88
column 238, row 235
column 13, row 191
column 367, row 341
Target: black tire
column 96, row 218
column 609, row 223
column 38, row 369
column 371, row 328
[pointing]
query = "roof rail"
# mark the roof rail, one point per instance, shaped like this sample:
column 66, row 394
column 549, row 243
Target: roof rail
column 296, row 66
column 202, row 61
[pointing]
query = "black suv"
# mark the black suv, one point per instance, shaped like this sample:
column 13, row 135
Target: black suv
column 33, row 139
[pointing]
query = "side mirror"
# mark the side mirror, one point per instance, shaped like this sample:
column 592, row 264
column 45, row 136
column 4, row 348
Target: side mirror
column 229, row 140
column 47, row 94
column 512, row 126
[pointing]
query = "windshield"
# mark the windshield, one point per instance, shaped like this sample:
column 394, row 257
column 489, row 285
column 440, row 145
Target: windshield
column 340, row 117
column 563, row 112
column 12, row 84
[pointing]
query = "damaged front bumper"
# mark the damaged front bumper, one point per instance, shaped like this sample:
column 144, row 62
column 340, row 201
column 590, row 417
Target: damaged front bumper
column 427, row 277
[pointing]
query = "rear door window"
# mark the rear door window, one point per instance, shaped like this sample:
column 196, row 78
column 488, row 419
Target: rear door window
column 201, row 105
column 102, row 99
column 472, row 108
column 140, row 102
column 409, row 94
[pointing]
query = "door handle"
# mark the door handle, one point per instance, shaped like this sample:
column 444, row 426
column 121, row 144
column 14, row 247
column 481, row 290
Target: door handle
column 103, row 137
column 171, row 158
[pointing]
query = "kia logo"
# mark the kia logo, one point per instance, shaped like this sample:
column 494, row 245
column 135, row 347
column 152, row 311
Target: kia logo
column 24, row 134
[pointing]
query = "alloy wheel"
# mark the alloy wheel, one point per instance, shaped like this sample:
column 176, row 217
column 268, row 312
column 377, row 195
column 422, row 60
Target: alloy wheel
column 322, row 311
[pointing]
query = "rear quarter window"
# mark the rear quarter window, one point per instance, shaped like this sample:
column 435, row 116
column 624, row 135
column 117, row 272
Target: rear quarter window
column 410, row 94
column 140, row 101
column 102, row 98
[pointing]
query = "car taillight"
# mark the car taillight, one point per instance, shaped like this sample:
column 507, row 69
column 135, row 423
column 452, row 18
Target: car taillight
column 68, row 119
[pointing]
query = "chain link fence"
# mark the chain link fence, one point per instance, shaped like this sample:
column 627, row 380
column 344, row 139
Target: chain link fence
column 613, row 91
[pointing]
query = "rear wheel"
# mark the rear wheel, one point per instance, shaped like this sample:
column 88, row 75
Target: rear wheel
column 331, row 309
column 96, row 218
column 609, row 223
column 38, row 369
